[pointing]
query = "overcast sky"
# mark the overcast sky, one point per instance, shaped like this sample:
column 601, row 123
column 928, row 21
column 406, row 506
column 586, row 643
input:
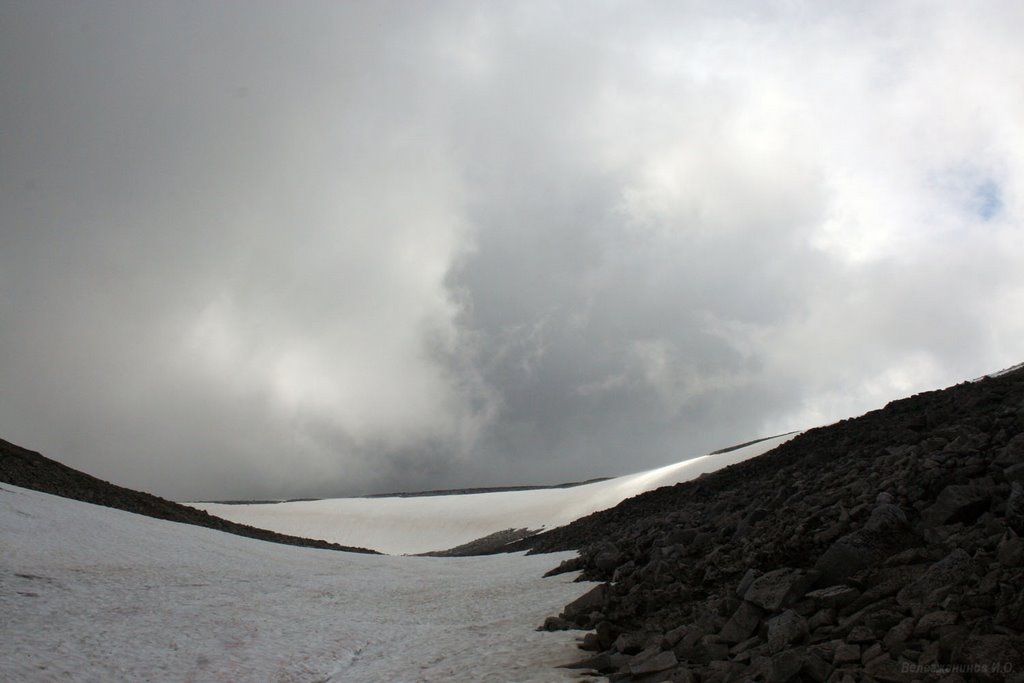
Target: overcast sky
column 304, row 249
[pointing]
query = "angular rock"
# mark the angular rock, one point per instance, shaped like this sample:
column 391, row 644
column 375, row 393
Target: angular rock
column 834, row 596
column 607, row 558
column 786, row 629
column 846, row 653
column 591, row 643
column 557, row 624
column 659, row 662
column 895, row 641
column 599, row 662
column 630, row 643
column 742, row 624
column 949, row 571
column 586, row 603
column 779, row 588
column 744, row 584
column 1010, row 551
column 786, row 665
column 845, row 557
column 929, row 623
column 1013, row 452
column 573, row 564
column 816, row 668
column 957, row 503
column 860, row 634
column 886, row 517
column 1015, row 473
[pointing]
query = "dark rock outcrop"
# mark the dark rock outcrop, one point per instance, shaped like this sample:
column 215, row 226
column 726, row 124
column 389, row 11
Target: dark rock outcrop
column 882, row 548
column 30, row 470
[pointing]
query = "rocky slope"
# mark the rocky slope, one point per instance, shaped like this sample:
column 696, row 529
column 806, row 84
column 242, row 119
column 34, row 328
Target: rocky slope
column 881, row 548
column 28, row 469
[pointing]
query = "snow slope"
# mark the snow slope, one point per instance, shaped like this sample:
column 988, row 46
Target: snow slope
column 89, row 593
column 424, row 524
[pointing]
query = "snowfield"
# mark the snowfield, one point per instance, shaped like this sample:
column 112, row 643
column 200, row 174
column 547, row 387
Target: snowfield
column 88, row 593
column 428, row 523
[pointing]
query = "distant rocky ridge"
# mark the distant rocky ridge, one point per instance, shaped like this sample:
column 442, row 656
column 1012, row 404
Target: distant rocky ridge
column 28, row 469
column 882, row 548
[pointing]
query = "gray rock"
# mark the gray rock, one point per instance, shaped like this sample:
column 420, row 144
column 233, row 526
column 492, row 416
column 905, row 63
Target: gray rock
column 846, row 653
column 949, row 571
column 834, row 596
column 683, row 676
column 860, row 634
column 586, row 603
column 786, row 665
column 929, row 623
column 1015, row 473
column 1015, row 506
column 1013, row 452
column 779, row 588
column 607, row 558
column 816, row 668
column 957, row 503
column 591, row 643
column 786, row 629
column 659, row 662
column 630, row 643
column 886, row 517
column 742, row 624
column 557, row 624
column 1010, row 551
column 895, row 640
column 847, row 556
column 744, row 584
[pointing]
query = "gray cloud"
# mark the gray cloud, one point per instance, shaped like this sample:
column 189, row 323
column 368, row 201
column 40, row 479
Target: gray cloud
column 279, row 251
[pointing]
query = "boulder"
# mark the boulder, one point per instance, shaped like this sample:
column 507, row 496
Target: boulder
column 779, row 588
column 585, row 604
column 607, row 558
column 932, row 621
column 957, row 503
column 786, row 665
column 895, row 641
column 659, row 662
column 786, row 629
column 742, row 624
column 949, row 571
column 833, row 596
column 845, row 557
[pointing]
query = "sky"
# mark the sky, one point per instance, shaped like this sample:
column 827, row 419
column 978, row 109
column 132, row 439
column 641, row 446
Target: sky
column 273, row 250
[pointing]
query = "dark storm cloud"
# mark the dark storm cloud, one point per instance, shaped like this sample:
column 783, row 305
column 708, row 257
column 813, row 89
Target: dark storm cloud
column 304, row 250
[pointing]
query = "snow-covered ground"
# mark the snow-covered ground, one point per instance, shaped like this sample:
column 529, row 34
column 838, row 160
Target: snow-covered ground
column 428, row 523
column 88, row 593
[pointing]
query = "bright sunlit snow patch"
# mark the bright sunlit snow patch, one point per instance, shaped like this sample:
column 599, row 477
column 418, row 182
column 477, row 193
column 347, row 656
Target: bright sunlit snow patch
column 429, row 523
column 88, row 593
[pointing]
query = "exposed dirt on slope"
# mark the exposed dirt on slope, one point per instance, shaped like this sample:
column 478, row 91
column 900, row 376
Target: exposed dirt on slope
column 881, row 548
column 28, row 469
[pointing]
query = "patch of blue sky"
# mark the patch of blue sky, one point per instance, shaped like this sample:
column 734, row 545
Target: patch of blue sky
column 971, row 190
column 988, row 199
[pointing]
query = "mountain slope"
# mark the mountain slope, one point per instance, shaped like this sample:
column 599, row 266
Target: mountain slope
column 884, row 547
column 28, row 469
